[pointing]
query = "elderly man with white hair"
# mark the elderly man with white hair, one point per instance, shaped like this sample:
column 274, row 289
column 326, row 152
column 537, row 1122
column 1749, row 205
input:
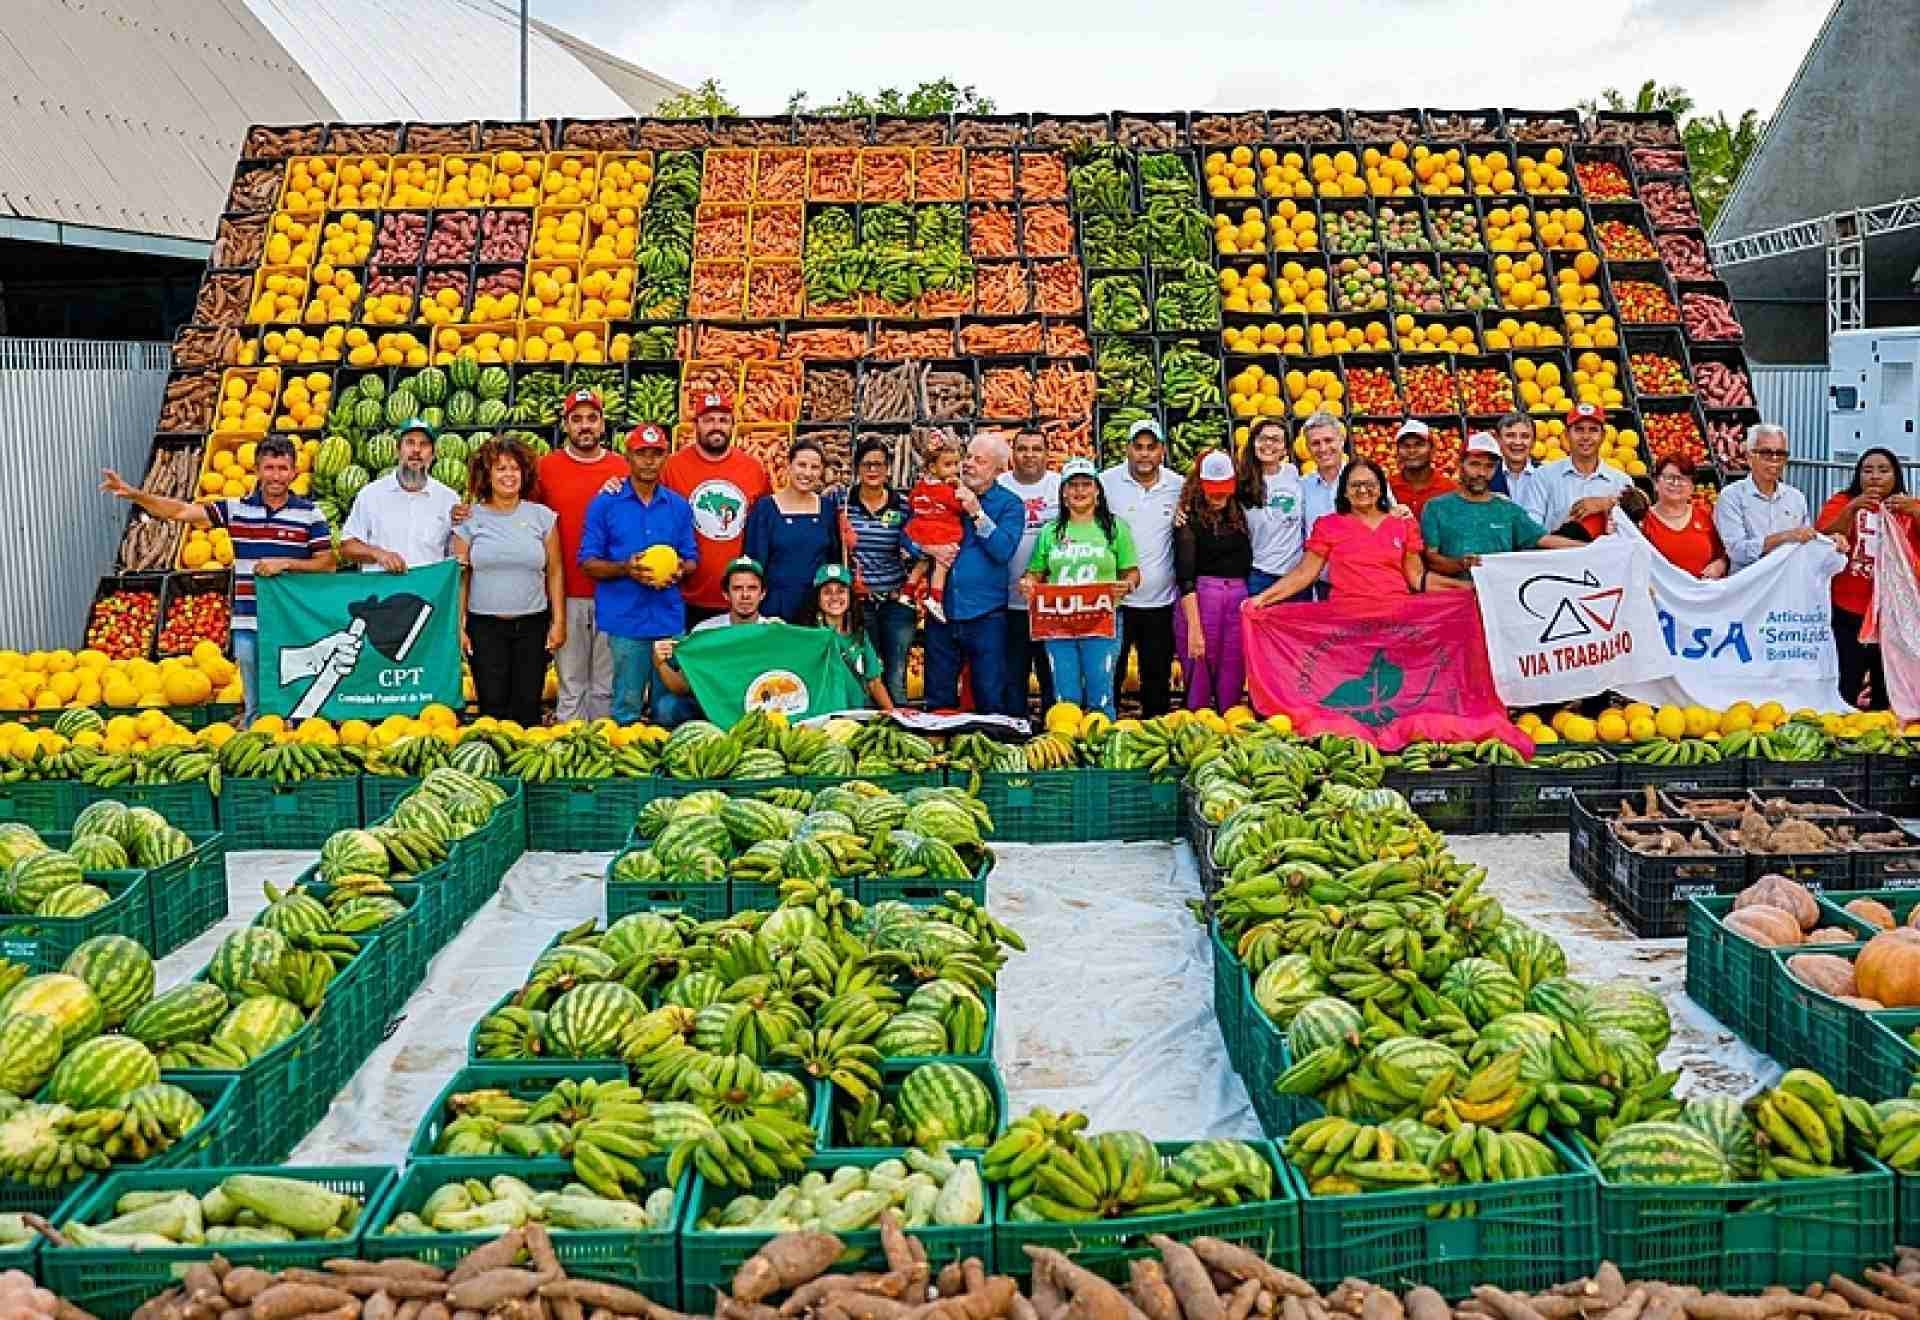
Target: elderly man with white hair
column 1760, row 512
column 974, row 633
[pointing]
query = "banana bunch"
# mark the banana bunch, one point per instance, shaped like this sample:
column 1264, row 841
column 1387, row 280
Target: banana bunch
column 1674, row 751
column 769, row 1143
column 1570, row 758
column 582, row 754
column 1376, row 920
column 219, row 1055
column 1269, row 834
column 1056, row 1172
column 884, row 743
column 49, row 1145
column 1897, row 1142
column 1155, row 746
column 1050, row 751
column 260, row 756
column 1263, row 766
column 40, row 764
column 415, row 755
column 510, row 1032
column 977, row 753
column 161, row 765
column 1341, row 1157
column 1803, row 1126
column 1351, row 761
column 1424, row 757
column 1029, row 1140
column 957, row 909
column 411, row 852
column 838, row 1053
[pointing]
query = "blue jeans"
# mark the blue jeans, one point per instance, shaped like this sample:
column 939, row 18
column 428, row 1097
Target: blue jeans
column 890, row 625
column 1026, row 656
column 1258, row 582
column 634, row 679
column 1083, row 670
column 246, row 656
column 981, row 644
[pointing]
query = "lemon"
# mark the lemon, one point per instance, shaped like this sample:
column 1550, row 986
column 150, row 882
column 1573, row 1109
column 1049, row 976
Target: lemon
column 1641, row 728
column 1580, row 729
column 1612, row 726
column 1671, row 722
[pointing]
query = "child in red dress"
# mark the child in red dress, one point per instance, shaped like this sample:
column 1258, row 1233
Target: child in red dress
column 934, row 504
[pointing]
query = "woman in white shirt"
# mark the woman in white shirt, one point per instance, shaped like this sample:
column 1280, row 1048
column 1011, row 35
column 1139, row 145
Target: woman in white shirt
column 1270, row 493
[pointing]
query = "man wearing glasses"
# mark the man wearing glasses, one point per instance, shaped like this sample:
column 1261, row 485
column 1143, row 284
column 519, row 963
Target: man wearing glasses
column 1761, row 512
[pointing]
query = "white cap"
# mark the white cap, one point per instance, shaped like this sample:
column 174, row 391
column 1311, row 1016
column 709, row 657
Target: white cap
column 1216, row 466
column 1147, row 426
column 1480, row 442
column 1414, row 426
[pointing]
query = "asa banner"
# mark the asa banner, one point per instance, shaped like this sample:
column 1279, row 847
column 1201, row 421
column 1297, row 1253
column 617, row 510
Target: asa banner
column 775, row 667
column 1388, row 671
column 1764, row 634
column 1062, row 613
column 1893, row 619
column 346, row 646
column 1566, row 624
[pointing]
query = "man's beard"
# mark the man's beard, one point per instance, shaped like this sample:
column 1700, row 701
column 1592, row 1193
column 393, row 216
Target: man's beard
column 586, row 444
column 713, row 444
column 411, row 476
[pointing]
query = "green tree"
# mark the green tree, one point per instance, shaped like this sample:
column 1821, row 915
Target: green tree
column 1718, row 151
column 703, row 102
column 938, row 97
column 1650, row 97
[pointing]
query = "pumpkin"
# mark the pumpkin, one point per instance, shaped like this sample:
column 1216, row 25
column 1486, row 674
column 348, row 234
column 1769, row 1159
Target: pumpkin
column 1832, row 935
column 1888, row 969
column 1790, row 896
column 1768, row 927
column 1875, row 913
column 1826, row 973
column 1913, row 916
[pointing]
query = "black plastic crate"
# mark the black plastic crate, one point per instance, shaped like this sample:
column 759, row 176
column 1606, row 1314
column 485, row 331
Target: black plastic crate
column 1454, row 801
column 1884, row 868
column 1847, row 774
column 1687, row 778
column 1650, row 892
column 1590, row 817
column 1893, row 784
column 1533, row 798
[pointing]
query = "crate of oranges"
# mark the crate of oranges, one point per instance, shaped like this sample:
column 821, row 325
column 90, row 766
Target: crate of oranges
column 362, row 183
column 309, row 184
column 564, row 343
column 294, row 346
column 304, row 401
column 279, row 293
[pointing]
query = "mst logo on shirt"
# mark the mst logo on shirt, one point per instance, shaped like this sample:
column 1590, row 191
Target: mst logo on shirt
column 719, row 510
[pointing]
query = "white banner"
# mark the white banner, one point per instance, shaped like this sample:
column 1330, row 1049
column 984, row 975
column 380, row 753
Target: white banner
column 1893, row 620
column 1764, row 634
column 1566, row 624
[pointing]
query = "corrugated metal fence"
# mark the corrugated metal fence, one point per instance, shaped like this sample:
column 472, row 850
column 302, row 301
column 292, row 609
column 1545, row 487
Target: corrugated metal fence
column 67, row 409
column 1795, row 397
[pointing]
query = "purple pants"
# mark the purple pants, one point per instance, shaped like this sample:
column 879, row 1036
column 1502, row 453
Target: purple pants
column 1220, row 679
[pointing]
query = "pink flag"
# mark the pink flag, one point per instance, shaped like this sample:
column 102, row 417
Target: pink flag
column 1389, row 671
column 1893, row 619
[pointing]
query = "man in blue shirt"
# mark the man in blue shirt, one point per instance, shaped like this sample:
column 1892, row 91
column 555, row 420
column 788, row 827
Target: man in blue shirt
column 635, row 603
column 975, row 630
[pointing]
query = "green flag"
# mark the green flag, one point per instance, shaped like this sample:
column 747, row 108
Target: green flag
column 797, row 671
column 360, row 645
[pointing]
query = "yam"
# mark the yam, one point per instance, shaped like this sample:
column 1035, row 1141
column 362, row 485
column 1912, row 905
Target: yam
column 244, row 1283
column 808, row 1295
column 391, row 1269
column 991, row 1301
column 1022, row 1309
column 502, row 1251
column 1423, row 1303
column 1240, row 1304
column 608, row 1297
column 1244, row 1264
column 785, row 1263
column 410, row 1309
column 1505, row 1304
column 1187, row 1276
column 1044, row 1293
column 1868, row 1300
column 1148, row 1284
column 1093, row 1297
column 540, row 1251
column 1719, row 1306
column 893, row 1243
column 284, row 1301
column 869, row 1306
column 380, row 1306
column 1380, row 1304
column 483, row 1292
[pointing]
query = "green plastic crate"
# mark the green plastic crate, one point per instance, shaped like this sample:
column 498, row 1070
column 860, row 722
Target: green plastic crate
column 1270, row 1228
column 276, row 1098
column 647, row 1261
column 1906, row 1209
column 1742, row 1237
column 1268, row 1056
column 188, row 807
column 751, row 896
column 188, row 895
column 258, row 813
column 1809, row 1029
column 506, row 832
column 892, row 1071
column 1891, row 1063
column 1523, row 1236
column 206, row 1146
column 1893, row 784
column 1529, row 799
column 26, row 1258
column 1227, row 1004
column 528, row 1081
column 882, row 888
column 1029, row 806
column 1729, row 975
column 1125, row 806
column 43, row 943
column 113, row 1284
column 403, row 941
column 901, row 783
column 586, row 815
column 45, row 804
column 380, row 794
column 704, row 899
column 708, row 1260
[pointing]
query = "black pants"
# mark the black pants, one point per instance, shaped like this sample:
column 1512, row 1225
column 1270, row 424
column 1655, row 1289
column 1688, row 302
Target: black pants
column 1859, row 662
column 1149, row 634
column 509, row 664
column 1026, row 656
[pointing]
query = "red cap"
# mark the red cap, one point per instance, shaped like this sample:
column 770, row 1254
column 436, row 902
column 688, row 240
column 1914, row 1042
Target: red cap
column 1586, row 412
column 582, row 398
column 646, row 436
column 711, row 401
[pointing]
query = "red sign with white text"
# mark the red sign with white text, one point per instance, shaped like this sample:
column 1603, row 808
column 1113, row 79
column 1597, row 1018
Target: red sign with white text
column 1057, row 614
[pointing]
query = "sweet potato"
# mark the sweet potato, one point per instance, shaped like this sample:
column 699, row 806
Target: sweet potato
column 435, row 1311
column 503, row 1250
column 950, row 1280
column 380, row 1306
column 284, row 1301
column 785, row 1263
column 411, row 1308
column 483, row 1292
column 1022, row 1309
column 1380, row 1304
column 868, row 1306
column 1505, row 1304
column 1148, row 1284
column 1240, row 1304
column 244, row 1283
column 1093, row 1297
column 1244, row 1264
column 1188, row 1279
column 540, row 1251
column 1046, row 1297
column 1868, row 1300
column 1423, row 1303
column 1719, row 1306
column 392, row 1269
column 991, row 1301
column 808, row 1295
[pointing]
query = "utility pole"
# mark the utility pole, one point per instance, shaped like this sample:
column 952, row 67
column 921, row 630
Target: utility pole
column 523, row 59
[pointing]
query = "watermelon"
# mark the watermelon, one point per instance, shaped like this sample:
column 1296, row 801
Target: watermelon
column 101, row 1072
column 349, row 482
column 371, row 386
column 1324, row 1021
column 331, row 458
column 1631, row 1007
column 258, row 1024
column 640, row 935
column 1482, row 990
column 759, row 763
column 804, row 859
column 460, row 406
column 368, row 414
column 750, row 820
column 401, row 406
column 476, row 758
column 29, row 1051
column 1414, row 1061
column 589, row 1021
column 692, row 831
column 295, row 913
column 1285, row 985
column 451, row 473
column 1561, row 998
column 429, row 385
column 494, row 383
column 463, row 372
column 1724, row 1121
column 18, row 841
column 105, row 819
column 352, row 852
column 80, row 719
column 1661, row 1154
column 1531, row 955
column 419, row 811
column 187, row 1012
column 32, row 880
column 694, row 990
column 456, row 447
column 380, row 451
column 433, row 416
column 942, row 1103
column 118, row 971
column 156, row 847
column 785, row 929
column 98, row 852
column 910, row 1035
column 74, row 901
column 66, row 1001
column 245, row 956
column 490, row 413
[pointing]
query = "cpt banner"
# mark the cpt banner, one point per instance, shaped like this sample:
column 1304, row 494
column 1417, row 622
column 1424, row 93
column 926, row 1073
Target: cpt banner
column 360, row 645
column 1056, row 614
column 1565, row 624
column 1893, row 619
column 1764, row 634
column 1388, row 671
column 774, row 667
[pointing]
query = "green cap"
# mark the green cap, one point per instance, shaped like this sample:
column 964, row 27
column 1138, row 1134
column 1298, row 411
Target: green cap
column 744, row 564
column 833, row 573
column 421, row 424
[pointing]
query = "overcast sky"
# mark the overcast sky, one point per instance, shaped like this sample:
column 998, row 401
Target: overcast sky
column 1137, row 55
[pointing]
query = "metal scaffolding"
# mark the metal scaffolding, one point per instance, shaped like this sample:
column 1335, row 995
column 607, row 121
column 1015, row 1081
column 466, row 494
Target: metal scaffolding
column 1843, row 235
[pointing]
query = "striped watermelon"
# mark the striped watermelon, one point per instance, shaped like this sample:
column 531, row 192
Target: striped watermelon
column 101, row 1072
column 463, row 372
column 32, row 880
column 174, row 1106
column 694, row 990
column 1661, row 1154
column 66, row 1001
column 689, row 833
column 245, row 956
column 494, row 383
column 118, row 970
column 749, row 821
column 418, row 811
column 911, row 1035
column 785, row 929
column 1285, row 986
column 640, row 935
column 331, row 457
column 943, row 1102
column 1324, row 1021
column 588, row 1021
column 78, row 720
column 258, row 1024
column 476, row 758
column 17, row 841
column 99, row 852
column 1631, row 1007
column 106, row 818
column 29, row 1052
column 74, row 901
column 1561, row 998
column 157, row 847
column 185, row 1013
column 353, row 852
column 294, row 913
column 1724, row 1121
column 1482, row 990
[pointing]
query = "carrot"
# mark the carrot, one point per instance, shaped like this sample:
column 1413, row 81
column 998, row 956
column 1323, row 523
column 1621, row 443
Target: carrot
column 728, row 176
column 775, row 231
column 945, row 302
column 1064, row 390
column 774, row 289
column 833, row 174
column 740, row 345
column 813, row 345
column 1020, row 337
column 1006, row 392
column 872, row 304
column 886, row 174
column 1002, row 288
column 1067, row 341
column 990, row 232
column 1043, row 177
column 780, row 174
column 1049, row 231
column 990, row 176
column 720, row 232
column 769, row 443
column 718, row 289
column 937, row 174
column 771, row 392
column 851, row 307
column 893, row 344
column 1057, row 287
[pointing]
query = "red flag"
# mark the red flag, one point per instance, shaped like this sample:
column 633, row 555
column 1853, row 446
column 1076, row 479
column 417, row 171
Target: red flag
column 1390, row 672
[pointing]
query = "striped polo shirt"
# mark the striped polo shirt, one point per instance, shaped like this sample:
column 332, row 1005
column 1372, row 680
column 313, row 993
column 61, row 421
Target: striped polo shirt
column 295, row 530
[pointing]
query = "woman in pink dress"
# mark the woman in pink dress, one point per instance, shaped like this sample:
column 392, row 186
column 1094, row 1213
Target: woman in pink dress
column 1369, row 551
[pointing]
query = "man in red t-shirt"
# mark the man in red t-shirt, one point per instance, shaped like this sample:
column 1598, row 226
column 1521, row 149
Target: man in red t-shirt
column 1417, row 482
column 570, row 477
column 721, row 482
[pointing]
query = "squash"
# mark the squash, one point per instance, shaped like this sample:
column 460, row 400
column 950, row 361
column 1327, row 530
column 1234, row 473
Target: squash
column 1790, row 896
column 1888, row 969
column 1866, row 1005
column 1768, row 927
column 1826, row 973
column 1875, row 913
column 1831, row 935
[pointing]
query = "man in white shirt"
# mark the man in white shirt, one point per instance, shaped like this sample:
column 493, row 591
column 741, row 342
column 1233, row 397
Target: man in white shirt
column 1326, row 437
column 1579, row 489
column 745, row 585
column 404, row 519
column 1039, row 492
column 1143, row 494
column 1759, row 513
column 1518, row 477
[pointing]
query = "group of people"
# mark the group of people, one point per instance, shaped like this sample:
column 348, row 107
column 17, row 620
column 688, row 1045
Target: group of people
column 556, row 563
